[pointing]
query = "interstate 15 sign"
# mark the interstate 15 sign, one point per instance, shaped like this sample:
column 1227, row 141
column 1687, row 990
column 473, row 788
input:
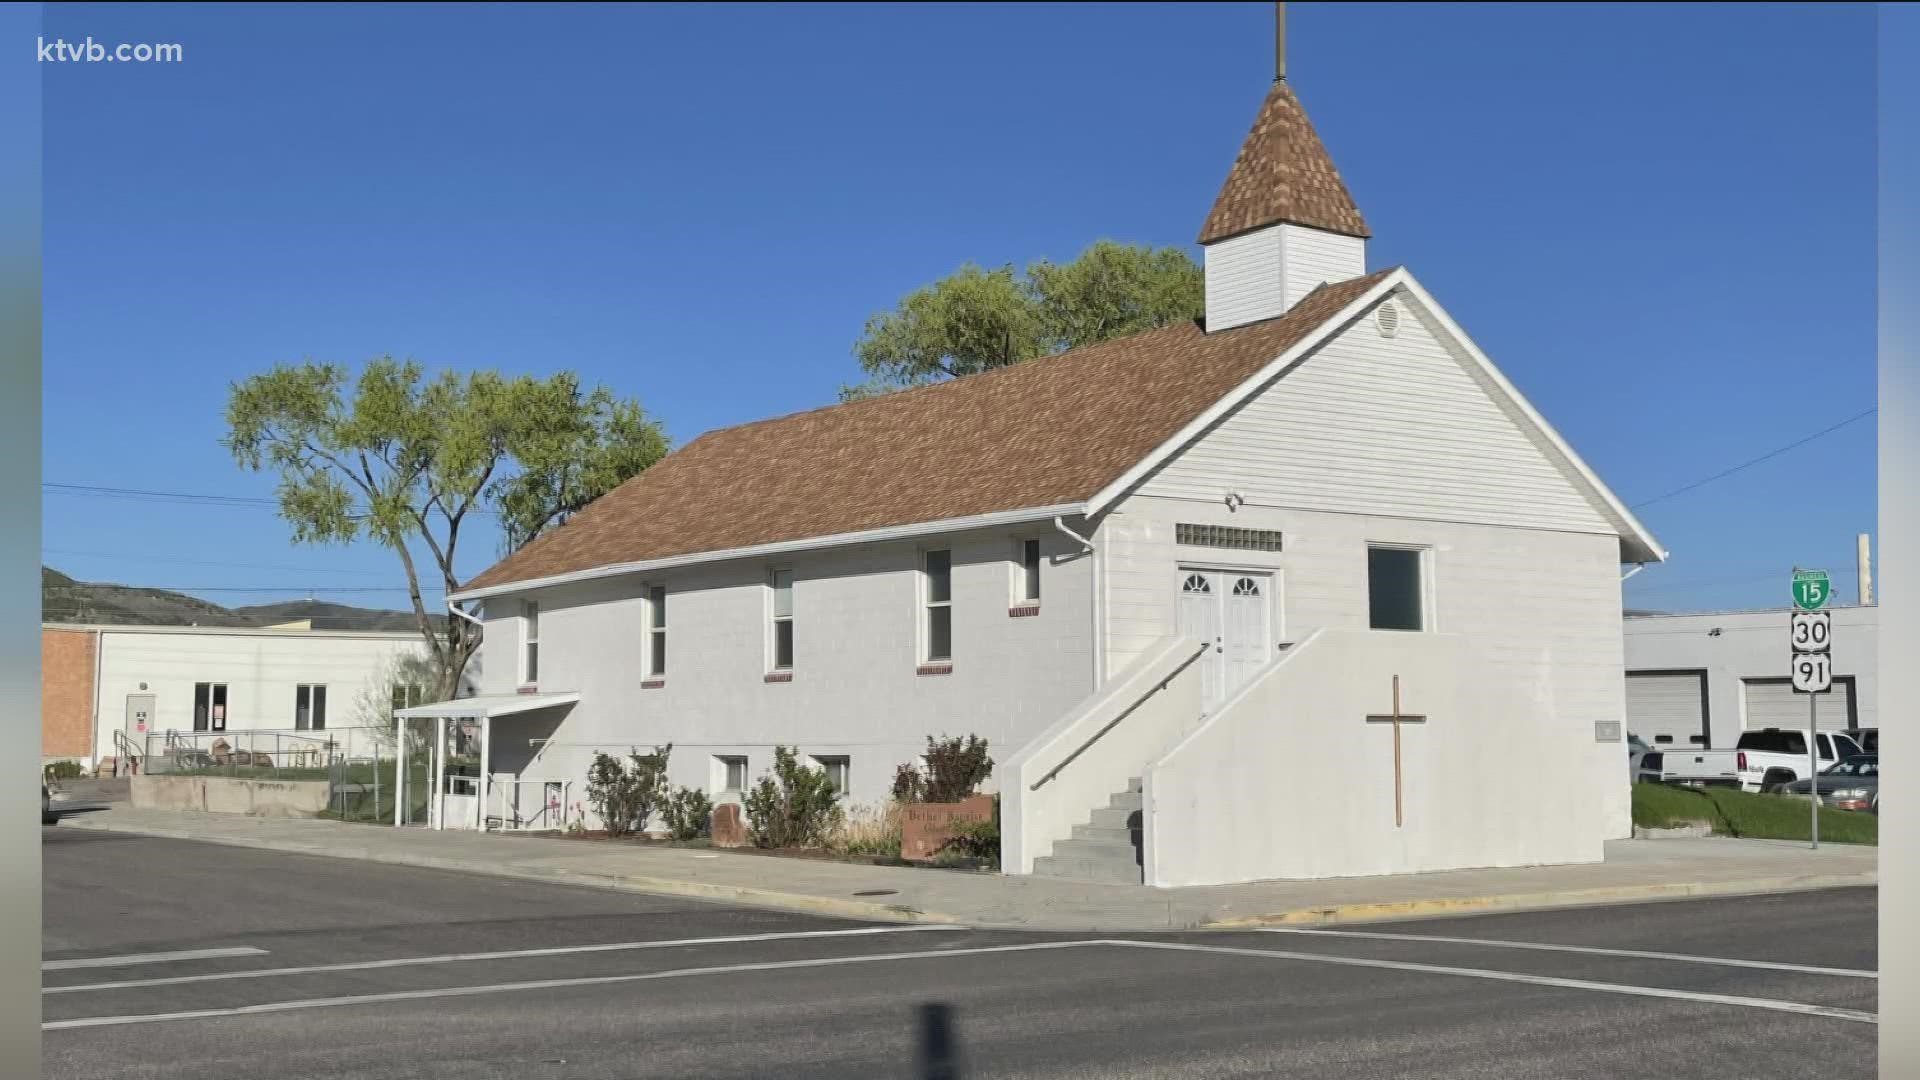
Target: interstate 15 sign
column 1811, row 634
column 1811, row 589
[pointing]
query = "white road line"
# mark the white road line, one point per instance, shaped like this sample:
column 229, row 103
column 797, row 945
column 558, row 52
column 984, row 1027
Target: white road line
column 1720, row 961
column 1801, row 1008
column 548, row 984
column 148, row 958
column 516, row 954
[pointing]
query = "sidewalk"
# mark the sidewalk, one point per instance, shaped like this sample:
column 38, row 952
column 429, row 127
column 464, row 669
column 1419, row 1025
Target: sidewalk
column 1634, row 870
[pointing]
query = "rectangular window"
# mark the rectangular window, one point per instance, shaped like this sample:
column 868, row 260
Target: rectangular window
column 530, row 643
column 1396, row 595
column 732, row 771
column 937, row 569
column 1226, row 536
column 309, row 707
column 836, row 767
column 1029, row 582
column 406, row 697
column 209, row 706
column 657, row 632
column 782, row 620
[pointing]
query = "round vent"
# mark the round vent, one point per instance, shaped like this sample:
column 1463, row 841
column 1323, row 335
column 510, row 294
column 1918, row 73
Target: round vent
column 1387, row 318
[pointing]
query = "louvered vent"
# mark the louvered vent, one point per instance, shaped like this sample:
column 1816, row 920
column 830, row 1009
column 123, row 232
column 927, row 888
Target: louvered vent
column 1387, row 318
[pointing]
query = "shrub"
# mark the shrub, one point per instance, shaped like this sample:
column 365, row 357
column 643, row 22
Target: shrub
column 908, row 784
column 63, row 770
column 956, row 767
column 976, row 839
column 686, row 813
column 796, row 806
column 625, row 796
column 868, row 830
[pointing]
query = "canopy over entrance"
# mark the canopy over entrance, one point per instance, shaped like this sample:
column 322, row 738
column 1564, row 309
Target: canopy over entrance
column 457, row 784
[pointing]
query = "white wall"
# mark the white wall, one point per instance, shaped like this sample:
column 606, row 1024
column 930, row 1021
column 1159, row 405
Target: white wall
column 854, row 691
column 1375, row 425
column 1260, row 274
column 1288, row 780
column 1542, row 607
column 1751, row 644
column 261, row 669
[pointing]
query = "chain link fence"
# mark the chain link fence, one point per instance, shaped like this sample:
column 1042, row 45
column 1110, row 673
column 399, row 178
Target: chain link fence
column 356, row 763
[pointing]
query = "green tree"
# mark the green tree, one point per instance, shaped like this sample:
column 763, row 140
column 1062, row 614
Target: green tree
column 407, row 461
column 974, row 320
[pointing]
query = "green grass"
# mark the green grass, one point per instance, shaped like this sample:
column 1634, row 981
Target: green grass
column 1738, row 813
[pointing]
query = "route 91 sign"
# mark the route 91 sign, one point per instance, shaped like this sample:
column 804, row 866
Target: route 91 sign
column 1812, row 673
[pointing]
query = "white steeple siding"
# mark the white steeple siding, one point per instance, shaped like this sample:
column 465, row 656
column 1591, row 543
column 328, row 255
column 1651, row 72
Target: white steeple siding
column 1260, row 274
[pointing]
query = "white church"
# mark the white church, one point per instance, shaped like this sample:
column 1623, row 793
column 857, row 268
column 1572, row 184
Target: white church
column 1303, row 589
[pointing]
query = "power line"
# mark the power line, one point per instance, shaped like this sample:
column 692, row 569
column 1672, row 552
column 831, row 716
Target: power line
column 198, row 562
column 193, row 498
column 303, row 590
column 1855, row 418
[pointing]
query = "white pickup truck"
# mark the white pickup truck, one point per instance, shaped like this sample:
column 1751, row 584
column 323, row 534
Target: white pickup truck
column 1764, row 760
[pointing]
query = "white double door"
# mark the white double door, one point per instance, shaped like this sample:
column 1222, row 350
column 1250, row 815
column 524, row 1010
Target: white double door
column 1232, row 610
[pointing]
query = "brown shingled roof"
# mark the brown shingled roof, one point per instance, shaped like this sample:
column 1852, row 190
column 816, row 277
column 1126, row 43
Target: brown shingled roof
column 1283, row 173
column 1043, row 433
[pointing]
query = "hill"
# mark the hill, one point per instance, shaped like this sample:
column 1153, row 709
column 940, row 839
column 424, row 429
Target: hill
column 65, row 600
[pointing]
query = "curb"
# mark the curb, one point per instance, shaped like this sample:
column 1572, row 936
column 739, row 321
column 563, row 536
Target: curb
column 1471, row 905
column 650, row 886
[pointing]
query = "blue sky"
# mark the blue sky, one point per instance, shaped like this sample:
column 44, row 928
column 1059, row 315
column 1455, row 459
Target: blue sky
column 1657, row 220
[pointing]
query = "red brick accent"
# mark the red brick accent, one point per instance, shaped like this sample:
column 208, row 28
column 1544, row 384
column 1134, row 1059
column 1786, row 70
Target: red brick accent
column 729, row 830
column 944, row 667
column 928, row 826
column 777, row 676
column 66, row 692
column 652, row 684
column 1021, row 611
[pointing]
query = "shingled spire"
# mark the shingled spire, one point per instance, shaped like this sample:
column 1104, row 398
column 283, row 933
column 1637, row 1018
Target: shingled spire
column 1283, row 174
column 1284, row 222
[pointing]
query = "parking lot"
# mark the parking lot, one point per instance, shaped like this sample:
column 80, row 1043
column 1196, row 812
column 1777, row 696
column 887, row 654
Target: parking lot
column 170, row 958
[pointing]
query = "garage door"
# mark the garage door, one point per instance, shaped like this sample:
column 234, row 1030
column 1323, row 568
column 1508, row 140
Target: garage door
column 1772, row 703
column 1668, row 708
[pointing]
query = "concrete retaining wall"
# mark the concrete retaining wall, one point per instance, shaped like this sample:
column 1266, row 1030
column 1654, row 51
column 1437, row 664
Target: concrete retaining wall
column 224, row 795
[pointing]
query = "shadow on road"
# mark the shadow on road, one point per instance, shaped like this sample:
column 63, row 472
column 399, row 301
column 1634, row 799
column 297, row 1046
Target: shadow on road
column 939, row 1047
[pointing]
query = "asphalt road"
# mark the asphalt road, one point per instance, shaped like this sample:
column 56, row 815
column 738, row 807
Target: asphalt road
column 335, row 968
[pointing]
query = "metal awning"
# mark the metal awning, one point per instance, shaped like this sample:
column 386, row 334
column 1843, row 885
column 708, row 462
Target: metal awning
column 485, row 705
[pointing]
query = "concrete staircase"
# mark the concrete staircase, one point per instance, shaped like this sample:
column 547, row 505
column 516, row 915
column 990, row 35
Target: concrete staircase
column 1107, row 848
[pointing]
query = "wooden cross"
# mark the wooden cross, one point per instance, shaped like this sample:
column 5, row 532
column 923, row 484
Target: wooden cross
column 1396, row 718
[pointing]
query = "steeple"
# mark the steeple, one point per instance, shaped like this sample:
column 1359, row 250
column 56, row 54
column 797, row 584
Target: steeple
column 1284, row 221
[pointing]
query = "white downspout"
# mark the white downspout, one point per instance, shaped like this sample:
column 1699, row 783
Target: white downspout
column 1637, row 567
column 99, row 654
column 1098, row 643
column 455, row 608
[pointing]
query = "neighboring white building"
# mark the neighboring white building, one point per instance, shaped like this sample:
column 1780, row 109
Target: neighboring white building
column 1196, row 557
column 1701, row 679
column 148, row 680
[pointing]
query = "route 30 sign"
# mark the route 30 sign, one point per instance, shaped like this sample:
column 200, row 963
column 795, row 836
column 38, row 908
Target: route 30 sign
column 1811, row 631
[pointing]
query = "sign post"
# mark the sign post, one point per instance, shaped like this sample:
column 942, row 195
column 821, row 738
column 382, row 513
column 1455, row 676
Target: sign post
column 1810, row 632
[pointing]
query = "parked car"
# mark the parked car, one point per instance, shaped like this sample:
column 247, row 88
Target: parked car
column 47, row 816
column 1853, row 784
column 1763, row 760
column 1867, row 737
column 1643, row 761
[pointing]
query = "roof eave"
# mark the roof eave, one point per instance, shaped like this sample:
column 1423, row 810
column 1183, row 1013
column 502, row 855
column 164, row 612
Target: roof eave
column 784, row 547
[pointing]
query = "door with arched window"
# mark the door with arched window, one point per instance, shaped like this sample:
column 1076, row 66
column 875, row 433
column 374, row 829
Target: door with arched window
column 1232, row 610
